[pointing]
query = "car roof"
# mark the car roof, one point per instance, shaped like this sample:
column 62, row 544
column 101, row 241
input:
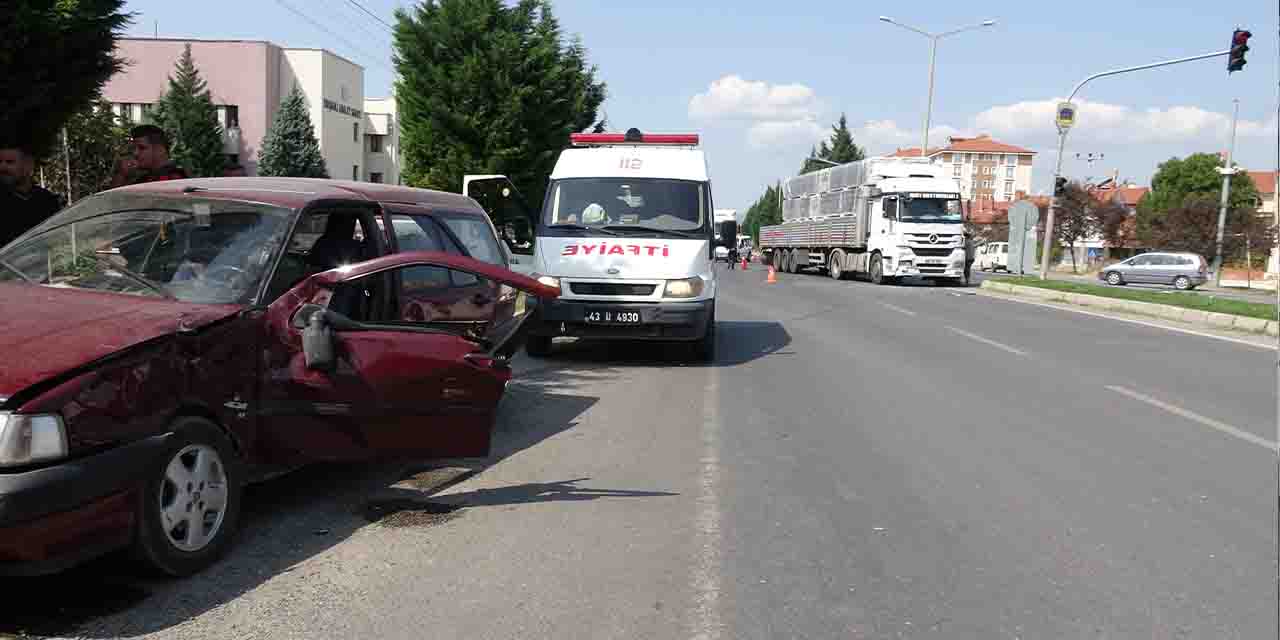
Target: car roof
column 295, row 193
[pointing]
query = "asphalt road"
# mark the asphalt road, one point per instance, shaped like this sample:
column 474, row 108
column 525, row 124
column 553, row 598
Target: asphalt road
column 860, row 462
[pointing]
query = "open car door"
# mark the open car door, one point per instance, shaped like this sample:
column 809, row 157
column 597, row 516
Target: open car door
column 514, row 219
column 404, row 356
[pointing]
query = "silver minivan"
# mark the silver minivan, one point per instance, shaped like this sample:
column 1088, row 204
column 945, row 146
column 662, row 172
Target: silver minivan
column 1182, row 270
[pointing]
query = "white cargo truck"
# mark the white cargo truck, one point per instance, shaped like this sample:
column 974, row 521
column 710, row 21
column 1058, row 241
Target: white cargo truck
column 885, row 218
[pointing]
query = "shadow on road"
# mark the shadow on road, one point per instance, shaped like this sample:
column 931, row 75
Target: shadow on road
column 737, row 343
column 284, row 523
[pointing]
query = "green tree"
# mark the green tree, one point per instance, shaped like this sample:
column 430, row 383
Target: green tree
column 187, row 113
column 1179, row 181
column 1193, row 226
column 1074, row 219
column 842, row 148
column 56, row 56
column 95, row 140
column 838, row 148
column 487, row 87
column 762, row 213
column 290, row 147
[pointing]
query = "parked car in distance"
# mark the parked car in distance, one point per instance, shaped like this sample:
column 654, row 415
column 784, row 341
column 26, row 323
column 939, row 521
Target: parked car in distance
column 164, row 344
column 1181, row 270
column 992, row 256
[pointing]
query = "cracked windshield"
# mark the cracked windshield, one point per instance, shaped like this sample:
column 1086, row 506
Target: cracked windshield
column 550, row 319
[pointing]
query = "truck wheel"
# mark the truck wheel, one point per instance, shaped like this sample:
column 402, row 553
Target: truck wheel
column 833, row 265
column 189, row 506
column 538, row 346
column 877, row 272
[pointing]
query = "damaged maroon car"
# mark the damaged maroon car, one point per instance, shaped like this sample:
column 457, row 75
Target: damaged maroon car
column 166, row 344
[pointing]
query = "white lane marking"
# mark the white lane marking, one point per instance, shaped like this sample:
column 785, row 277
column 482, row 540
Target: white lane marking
column 706, row 621
column 898, row 309
column 1191, row 415
column 1259, row 345
column 993, row 343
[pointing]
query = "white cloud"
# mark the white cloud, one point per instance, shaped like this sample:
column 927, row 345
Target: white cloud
column 772, row 133
column 1033, row 120
column 733, row 98
column 886, row 136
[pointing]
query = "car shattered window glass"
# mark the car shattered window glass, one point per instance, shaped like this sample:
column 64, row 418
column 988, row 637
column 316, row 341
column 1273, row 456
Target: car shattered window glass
column 189, row 250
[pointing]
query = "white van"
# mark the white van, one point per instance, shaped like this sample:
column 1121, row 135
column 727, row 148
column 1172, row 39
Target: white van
column 626, row 232
column 992, row 256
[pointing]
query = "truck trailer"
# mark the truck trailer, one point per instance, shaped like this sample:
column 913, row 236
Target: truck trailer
column 884, row 218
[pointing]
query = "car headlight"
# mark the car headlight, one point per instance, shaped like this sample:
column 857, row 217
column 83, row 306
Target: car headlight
column 550, row 281
column 26, row 439
column 683, row 288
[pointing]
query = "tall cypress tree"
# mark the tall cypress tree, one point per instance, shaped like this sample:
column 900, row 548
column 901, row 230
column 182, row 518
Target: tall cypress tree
column 54, row 60
column 488, row 86
column 290, row 147
column 186, row 112
column 842, row 148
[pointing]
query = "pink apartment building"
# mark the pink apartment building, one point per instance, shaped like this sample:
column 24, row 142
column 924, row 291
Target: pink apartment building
column 359, row 138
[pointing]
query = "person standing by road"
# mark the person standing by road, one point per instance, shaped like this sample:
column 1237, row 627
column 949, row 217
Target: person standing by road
column 23, row 203
column 969, row 255
column 151, row 156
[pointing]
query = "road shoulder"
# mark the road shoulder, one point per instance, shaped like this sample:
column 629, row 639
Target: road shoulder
column 1261, row 341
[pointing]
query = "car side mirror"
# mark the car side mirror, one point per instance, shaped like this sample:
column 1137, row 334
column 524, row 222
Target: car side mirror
column 317, row 342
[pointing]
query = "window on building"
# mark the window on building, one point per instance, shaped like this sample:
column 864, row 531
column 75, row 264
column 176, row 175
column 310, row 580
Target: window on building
column 375, row 143
column 1008, row 187
column 232, row 117
column 946, row 157
column 955, row 171
column 355, row 132
column 375, row 177
column 1008, row 172
column 355, row 172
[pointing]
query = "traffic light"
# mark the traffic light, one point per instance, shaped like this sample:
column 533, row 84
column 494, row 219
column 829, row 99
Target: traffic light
column 1239, row 45
column 1059, row 185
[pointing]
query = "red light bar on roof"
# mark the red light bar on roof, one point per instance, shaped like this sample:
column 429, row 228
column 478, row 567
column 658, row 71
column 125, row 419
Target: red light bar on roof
column 586, row 139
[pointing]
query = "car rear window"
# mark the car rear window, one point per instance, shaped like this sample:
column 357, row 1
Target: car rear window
column 476, row 234
column 416, row 233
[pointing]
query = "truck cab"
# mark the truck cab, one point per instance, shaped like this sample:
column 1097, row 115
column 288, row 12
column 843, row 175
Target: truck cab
column 626, row 232
column 916, row 223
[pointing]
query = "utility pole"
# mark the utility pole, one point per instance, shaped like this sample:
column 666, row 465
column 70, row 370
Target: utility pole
column 1062, row 142
column 1227, row 171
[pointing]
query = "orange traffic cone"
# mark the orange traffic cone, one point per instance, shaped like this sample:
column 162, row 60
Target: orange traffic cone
column 744, row 264
column 773, row 277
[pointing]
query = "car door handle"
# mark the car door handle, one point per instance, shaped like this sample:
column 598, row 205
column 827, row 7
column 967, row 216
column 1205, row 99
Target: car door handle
column 486, row 361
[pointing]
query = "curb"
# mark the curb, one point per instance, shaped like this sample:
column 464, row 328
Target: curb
column 1206, row 319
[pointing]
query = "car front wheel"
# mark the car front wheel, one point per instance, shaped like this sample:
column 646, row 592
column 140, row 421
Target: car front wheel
column 189, row 507
column 1114, row 278
column 1182, row 283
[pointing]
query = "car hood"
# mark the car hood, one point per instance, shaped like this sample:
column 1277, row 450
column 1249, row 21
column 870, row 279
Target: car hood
column 46, row 331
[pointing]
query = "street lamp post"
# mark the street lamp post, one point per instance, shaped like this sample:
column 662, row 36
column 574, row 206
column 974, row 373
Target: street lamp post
column 933, row 57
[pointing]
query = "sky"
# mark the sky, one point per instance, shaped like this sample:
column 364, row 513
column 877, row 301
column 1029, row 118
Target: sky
column 762, row 81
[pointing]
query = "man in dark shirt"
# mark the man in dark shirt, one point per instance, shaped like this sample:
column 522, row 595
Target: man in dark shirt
column 23, row 204
column 151, row 156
